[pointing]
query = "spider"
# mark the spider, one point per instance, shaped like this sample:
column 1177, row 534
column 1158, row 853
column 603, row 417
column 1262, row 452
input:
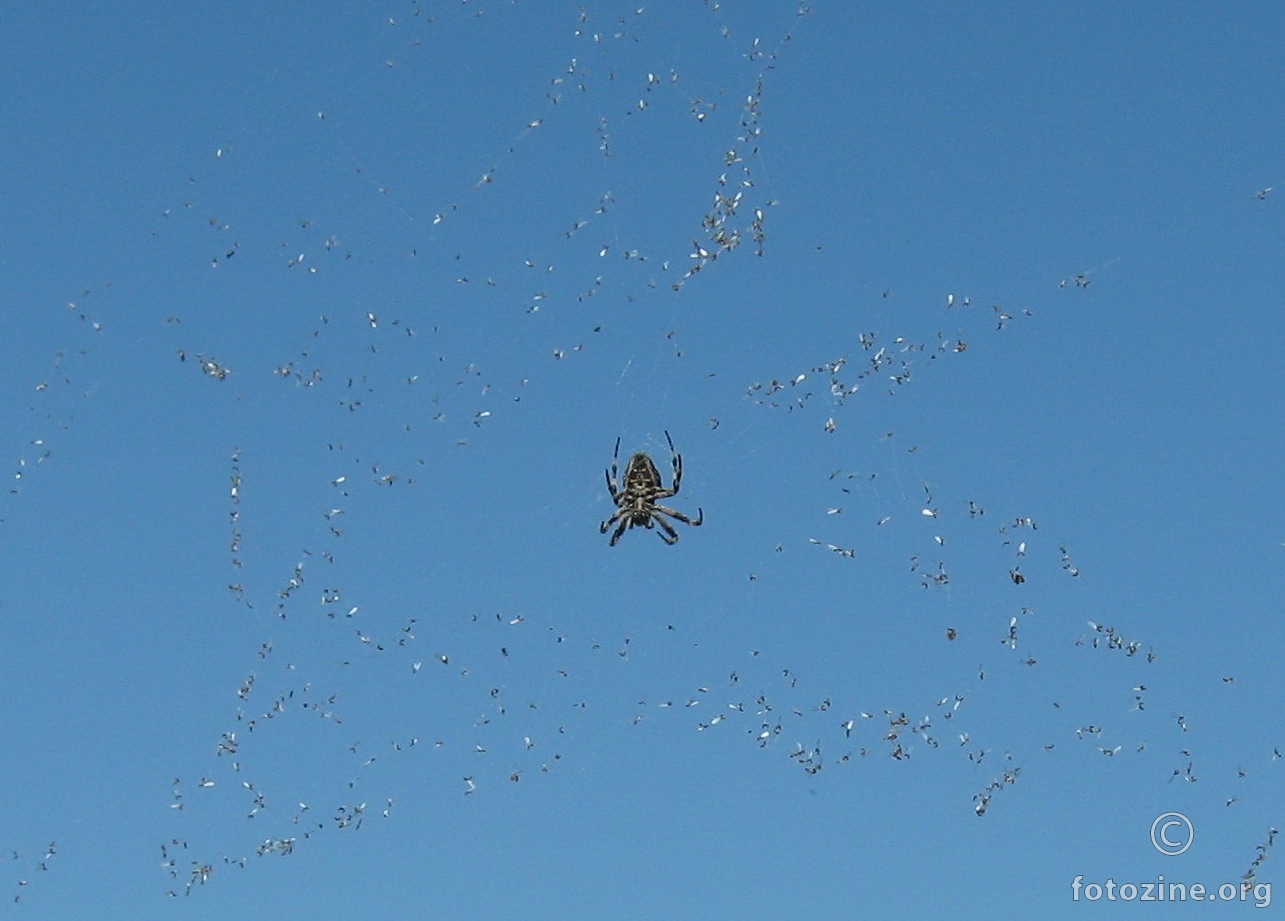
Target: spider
column 636, row 504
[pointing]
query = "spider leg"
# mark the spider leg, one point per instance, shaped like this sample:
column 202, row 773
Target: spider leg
column 624, row 523
column 602, row 529
column 677, row 460
column 666, row 532
column 613, row 472
column 674, row 513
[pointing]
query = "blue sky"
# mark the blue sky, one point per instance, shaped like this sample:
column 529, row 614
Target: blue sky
column 320, row 323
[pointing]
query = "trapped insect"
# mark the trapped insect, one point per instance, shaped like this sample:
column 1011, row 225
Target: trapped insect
column 636, row 502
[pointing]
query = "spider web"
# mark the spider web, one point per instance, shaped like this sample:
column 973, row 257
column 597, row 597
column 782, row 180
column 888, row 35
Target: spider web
column 348, row 398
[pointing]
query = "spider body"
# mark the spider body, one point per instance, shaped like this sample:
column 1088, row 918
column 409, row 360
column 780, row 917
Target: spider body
column 637, row 501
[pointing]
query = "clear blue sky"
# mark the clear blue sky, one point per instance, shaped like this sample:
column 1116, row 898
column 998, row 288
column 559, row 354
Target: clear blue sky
column 320, row 323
